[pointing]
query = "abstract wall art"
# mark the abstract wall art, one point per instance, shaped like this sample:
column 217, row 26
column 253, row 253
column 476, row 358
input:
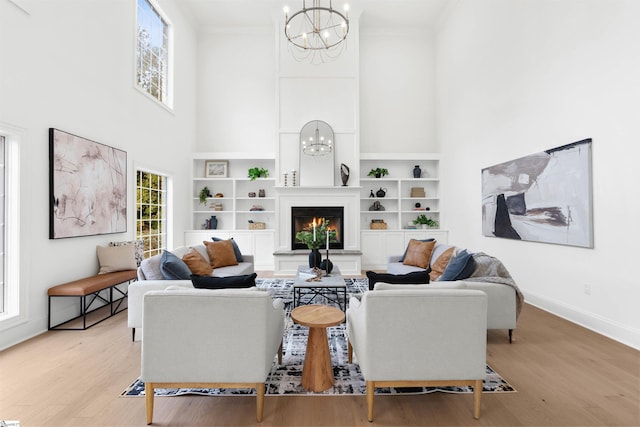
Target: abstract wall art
column 544, row 197
column 87, row 186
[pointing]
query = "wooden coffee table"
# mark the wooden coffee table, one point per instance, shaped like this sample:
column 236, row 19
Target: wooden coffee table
column 317, row 373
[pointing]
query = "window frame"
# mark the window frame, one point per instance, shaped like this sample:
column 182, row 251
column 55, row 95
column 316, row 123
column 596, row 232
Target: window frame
column 168, row 104
column 16, row 302
column 167, row 215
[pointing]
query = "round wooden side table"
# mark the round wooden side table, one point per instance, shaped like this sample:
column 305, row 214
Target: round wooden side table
column 317, row 373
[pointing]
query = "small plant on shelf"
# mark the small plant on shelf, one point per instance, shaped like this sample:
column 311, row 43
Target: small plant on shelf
column 204, row 193
column 378, row 172
column 424, row 220
column 258, row 173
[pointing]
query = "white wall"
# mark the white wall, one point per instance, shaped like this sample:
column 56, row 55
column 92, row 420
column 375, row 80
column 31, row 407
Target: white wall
column 515, row 78
column 397, row 91
column 69, row 64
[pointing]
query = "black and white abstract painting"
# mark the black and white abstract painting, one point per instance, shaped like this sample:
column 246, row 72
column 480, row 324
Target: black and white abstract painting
column 544, row 197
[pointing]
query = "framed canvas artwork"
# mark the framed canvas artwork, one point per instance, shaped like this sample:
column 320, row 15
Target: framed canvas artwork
column 87, row 186
column 215, row 169
column 543, row 197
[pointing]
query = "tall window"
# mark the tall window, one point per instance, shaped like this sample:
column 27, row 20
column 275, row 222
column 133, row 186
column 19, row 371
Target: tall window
column 152, row 52
column 151, row 209
column 3, row 291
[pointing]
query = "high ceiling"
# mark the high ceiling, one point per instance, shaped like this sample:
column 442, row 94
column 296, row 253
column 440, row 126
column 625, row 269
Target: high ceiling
column 259, row 13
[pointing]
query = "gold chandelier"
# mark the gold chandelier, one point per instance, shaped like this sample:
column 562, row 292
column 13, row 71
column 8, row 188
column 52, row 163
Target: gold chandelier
column 317, row 33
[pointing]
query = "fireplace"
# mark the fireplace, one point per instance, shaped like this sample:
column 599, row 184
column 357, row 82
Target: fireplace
column 302, row 218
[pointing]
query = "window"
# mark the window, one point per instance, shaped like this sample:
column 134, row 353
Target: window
column 3, row 292
column 151, row 210
column 152, row 52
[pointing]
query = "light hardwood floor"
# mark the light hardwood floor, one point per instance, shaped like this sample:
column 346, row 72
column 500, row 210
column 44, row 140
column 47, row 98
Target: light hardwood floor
column 565, row 376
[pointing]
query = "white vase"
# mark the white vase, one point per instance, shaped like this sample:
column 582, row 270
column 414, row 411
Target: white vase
column 424, row 226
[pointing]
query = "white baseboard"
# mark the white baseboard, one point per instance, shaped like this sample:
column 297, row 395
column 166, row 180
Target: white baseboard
column 614, row 330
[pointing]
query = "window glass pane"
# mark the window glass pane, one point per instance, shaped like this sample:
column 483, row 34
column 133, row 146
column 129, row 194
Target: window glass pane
column 151, row 224
column 152, row 51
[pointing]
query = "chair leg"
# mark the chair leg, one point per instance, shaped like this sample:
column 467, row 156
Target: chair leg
column 370, row 389
column 477, row 396
column 149, row 392
column 280, row 353
column 133, row 334
column 260, row 401
column 510, row 335
column 349, row 352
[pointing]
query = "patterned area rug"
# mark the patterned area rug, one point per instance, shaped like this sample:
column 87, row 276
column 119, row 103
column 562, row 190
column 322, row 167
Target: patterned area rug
column 285, row 379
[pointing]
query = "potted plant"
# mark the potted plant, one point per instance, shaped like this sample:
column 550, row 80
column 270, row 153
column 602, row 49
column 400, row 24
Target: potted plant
column 378, row 172
column 425, row 222
column 316, row 243
column 204, row 193
column 258, row 173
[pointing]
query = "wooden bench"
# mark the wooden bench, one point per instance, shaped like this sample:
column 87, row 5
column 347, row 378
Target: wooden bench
column 92, row 287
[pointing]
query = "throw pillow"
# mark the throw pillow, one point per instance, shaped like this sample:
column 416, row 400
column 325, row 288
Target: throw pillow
column 208, row 282
column 413, row 278
column 150, row 268
column 460, row 267
column 236, row 249
column 138, row 244
column 116, row 258
column 419, row 253
column 173, row 268
column 438, row 267
column 221, row 253
column 405, row 251
column 196, row 263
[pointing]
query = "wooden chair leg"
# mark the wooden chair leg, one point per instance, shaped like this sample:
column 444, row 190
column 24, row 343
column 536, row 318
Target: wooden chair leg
column 349, row 352
column 260, row 401
column 370, row 389
column 280, row 353
column 149, row 393
column 510, row 335
column 133, row 334
column 477, row 397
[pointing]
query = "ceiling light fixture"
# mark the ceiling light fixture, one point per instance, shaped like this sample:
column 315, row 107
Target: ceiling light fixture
column 316, row 33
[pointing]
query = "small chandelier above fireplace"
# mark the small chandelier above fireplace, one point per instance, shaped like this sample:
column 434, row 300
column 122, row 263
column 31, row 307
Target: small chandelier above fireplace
column 316, row 138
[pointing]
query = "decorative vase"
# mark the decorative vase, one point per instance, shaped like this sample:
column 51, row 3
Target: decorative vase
column 213, row 223
column 261, row 193
column 315, row 258
column 417, row 172
column 326, row 265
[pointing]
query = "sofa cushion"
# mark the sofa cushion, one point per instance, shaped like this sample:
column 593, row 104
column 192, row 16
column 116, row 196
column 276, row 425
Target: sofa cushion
column 221, row 253
column 405, row 250
column 173, row 268
column 196, row 263
column 208, row 282
column 236, row 249
column 440, row 264
column 414, row 278
column 116, row 258
column 460, row 267
column 419, row 253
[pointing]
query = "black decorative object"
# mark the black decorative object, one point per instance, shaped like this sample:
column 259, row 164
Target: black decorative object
column 344, row 173
column 212, row 223
column 381, row 192
column 417, row 172
column 326, row 265
column 315, row 258
column 371, row 194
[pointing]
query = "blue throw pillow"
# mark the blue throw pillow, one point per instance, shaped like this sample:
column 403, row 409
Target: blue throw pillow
column 413, row 278
column 460, row 267
column 236, row 249
column 209, row 282
column 407, row 248
column 173, row 268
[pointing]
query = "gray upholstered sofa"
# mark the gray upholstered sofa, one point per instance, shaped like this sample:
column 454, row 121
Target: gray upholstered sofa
column 150, row 278
column 482, row 272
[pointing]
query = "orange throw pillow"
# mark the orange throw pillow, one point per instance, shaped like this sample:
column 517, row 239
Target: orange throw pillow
column 419, row 253
column 437, row 268
column 221, row 253
column 196, row 263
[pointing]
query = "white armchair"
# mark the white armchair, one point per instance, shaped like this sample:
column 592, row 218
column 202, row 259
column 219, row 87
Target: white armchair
column 210, row 339
column 419, row 337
